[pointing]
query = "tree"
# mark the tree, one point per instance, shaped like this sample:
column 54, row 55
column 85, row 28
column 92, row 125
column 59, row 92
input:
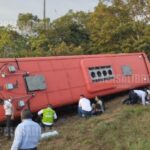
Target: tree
column 113, row 28
column 70, row 29
column 10, row 42
column 27, row 23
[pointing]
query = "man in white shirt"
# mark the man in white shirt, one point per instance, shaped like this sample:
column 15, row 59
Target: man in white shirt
column 140, row 96
column 27, row 133
column 84, row 107
column 8, row 107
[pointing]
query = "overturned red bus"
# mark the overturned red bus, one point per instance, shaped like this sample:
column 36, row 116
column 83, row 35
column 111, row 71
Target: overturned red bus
column 59, row 81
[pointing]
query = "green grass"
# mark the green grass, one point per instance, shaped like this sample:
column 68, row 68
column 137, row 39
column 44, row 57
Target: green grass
column 125, row 128
column 128, row 129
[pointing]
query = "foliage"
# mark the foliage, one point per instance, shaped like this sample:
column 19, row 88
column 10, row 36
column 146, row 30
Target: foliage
column 27, row 23
column 114, row 27
column 11, row 43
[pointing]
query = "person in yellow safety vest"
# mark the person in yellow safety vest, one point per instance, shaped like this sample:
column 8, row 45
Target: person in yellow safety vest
column 48, row 117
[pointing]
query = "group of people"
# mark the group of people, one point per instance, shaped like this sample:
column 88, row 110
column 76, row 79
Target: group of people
column 138, row 96
column 86, row 109
column 28, row 132
column 47, row 115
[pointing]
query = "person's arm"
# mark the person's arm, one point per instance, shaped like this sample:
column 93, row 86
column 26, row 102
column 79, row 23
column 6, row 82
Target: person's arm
column 17, row 139
column 143, row 97
column 40, row 132
column 55, row 115
column 79, row 105
column 40, row 112
column 101, row 105
column 13, row 113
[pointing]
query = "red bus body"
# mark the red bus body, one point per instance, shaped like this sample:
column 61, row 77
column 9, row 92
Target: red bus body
column 59, row 81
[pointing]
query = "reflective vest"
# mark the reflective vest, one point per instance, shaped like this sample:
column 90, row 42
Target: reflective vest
column 48, row 115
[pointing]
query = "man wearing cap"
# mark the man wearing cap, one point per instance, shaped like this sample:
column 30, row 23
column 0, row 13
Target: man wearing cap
column 8, row 107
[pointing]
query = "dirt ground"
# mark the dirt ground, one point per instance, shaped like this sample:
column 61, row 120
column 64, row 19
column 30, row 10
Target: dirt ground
column 113, row 106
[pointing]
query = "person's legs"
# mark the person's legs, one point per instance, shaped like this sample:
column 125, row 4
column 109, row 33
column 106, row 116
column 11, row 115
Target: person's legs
column 83, row 113
column 137, row 99
column 86, row 113
column 80, row 111
column 2, row 130
column 126, row 101
column 42, row 126
column 101, row 106
column 8, row 126
column 132, row 97
column 48, row 127
column 93, row 109
column 89, row 113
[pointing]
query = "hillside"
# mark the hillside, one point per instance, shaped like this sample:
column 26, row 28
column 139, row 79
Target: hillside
column 121, row 127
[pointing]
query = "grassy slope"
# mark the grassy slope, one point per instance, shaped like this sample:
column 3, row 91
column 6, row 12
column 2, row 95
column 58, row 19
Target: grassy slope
column 120, row 128
column 123, row 128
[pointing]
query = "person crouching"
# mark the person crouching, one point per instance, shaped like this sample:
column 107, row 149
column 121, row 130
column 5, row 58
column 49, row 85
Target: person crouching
column 84, row 107
column 48, row 115
column 98, row 106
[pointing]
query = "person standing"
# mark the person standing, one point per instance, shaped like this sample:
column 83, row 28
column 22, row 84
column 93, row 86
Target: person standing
column 27, row 133
column 48, row 115
column 84, row 107
column 9, row 113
